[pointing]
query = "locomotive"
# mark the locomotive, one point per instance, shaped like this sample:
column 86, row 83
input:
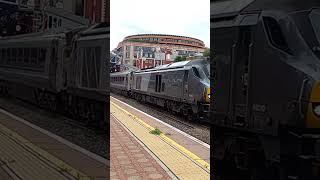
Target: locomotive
column 65, row 71
column 182, row 87
column 265, row 114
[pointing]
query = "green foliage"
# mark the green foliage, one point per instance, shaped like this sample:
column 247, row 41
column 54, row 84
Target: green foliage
column 206, row 52
column 156, row 132
column 180, row 58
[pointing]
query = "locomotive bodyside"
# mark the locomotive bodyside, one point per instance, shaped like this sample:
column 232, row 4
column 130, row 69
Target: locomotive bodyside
column 181, row 87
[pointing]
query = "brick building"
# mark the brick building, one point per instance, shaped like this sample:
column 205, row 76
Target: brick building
column 150, row 50
column 143, row 63
column 97, row 10
column 27, row 16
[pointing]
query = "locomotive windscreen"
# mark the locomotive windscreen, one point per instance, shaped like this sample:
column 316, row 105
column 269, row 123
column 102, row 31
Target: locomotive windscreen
column 315, row 20
column 206, row 69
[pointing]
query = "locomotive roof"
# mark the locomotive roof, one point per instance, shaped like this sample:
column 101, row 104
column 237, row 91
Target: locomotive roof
column 227, row 8
column 120, row 73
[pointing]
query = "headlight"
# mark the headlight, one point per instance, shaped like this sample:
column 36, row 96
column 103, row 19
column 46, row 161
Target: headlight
column 209, row 96
column 316, row 109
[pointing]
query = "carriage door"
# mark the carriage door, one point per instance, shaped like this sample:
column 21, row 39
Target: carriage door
column 185, row 84
column 131, row 80
column 126, row 85
column 241, row 74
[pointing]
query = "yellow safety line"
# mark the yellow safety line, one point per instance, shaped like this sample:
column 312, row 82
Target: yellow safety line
column 167, row 139
column 61, row 164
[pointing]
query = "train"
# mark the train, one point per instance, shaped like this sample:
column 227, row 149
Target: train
column 265, row 112
column 180, row 87
column 62, row 70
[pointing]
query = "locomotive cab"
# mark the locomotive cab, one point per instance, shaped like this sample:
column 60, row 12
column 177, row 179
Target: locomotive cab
column 266, row 79
column 199, row 74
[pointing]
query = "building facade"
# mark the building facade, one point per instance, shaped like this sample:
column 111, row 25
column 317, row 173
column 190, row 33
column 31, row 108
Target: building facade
column 150, row 50
column 27, row 16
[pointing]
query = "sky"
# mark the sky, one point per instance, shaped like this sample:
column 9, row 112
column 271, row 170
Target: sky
column 175, row 17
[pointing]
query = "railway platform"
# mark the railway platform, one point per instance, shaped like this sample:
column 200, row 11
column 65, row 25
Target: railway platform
column 143, row 147
column 28, row 152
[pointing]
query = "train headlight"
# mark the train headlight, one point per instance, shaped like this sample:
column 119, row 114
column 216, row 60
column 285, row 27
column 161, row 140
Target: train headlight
column 316, row 109
column 207, row 95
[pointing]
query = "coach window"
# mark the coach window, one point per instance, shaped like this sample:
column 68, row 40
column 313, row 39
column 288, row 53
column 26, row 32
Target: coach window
column 14, row 55
column 50, row 22
column 59, row 23
column 20, row 55
column 275, row 34
column 4, row 55
column 42, row 56
column 55, row 22
column 26, row 55
column 34, row 55
column 9, row 55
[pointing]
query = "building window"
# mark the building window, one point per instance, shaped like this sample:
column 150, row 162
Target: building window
column 50, row 22
column 55, row 22
column 60, row 23
column 79, row 7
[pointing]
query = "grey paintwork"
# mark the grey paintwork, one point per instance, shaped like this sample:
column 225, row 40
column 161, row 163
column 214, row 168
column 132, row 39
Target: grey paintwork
column 60, row 73
column 178, row 83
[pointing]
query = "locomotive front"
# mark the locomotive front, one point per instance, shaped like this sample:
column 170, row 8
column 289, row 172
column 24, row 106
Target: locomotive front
column 296, row 38
column 200, row 86
column 302, row 31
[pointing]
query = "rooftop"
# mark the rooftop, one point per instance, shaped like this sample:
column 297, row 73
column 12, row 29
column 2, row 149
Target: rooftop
column 176, row 36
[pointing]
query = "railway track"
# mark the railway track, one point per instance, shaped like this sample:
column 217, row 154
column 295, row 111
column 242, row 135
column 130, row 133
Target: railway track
column 198, row 130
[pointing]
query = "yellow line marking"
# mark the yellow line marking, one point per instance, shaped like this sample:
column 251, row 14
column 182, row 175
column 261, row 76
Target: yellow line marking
column 64, row 167
column 167, row 139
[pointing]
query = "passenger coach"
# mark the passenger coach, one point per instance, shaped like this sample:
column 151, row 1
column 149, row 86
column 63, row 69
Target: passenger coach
column 64, row 71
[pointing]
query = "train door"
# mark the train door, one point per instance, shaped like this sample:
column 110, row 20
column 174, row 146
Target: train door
column 127, row 85
column 158, row 83
column 241, row 67
column 224, row 48
column 131, row 81
column 185, row 85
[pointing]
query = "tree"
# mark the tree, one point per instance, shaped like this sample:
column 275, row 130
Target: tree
column 180, row 58
column 206, row 52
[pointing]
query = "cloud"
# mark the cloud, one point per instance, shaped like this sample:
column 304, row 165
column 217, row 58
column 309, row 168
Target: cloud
column 177, row 17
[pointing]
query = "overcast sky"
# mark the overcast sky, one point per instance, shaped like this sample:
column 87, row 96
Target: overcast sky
column 176, row 17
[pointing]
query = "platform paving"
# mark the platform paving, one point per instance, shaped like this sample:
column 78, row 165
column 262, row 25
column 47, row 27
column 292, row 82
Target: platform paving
column 29, row 154
column 130, row 159
column 181, row 164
